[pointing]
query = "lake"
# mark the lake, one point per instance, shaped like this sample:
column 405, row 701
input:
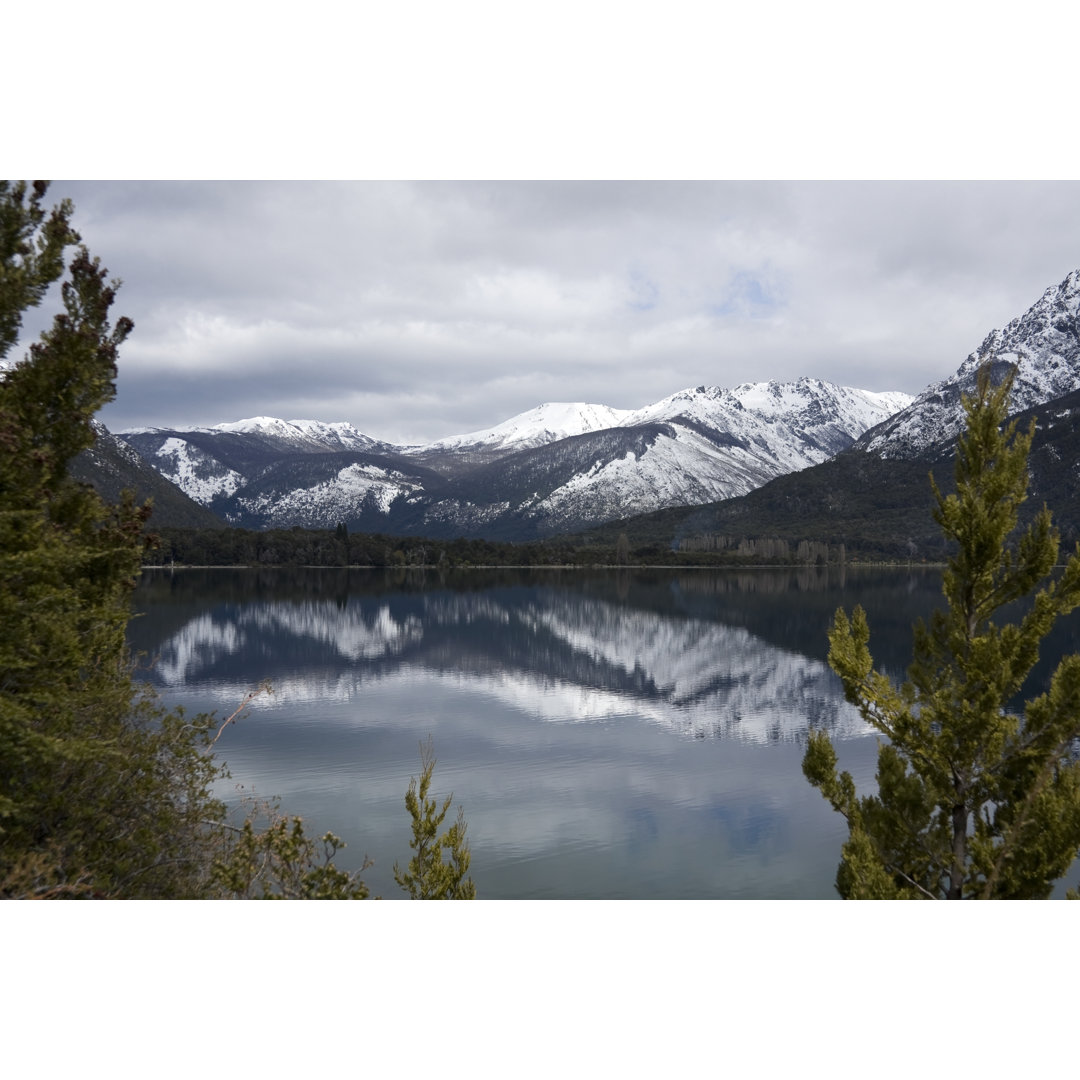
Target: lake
column 610, row 734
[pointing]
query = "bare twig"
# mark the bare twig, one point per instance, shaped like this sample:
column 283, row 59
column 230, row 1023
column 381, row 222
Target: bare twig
column 263, row 687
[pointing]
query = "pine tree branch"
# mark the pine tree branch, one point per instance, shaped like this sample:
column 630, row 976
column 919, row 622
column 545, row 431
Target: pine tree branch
column 1012, row 835
column 911, row 881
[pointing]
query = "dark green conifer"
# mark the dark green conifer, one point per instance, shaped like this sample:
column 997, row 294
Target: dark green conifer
column 974, row 801
column 100, row 794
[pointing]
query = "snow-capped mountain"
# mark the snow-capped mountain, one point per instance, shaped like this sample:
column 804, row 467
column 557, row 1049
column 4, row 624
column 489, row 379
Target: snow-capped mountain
column 302, row 436
column 815, row 412
column 694, row 447
column 822, row 411
column 545, row 424
column 1043, row 343
column 555, row 468
column 876, row 494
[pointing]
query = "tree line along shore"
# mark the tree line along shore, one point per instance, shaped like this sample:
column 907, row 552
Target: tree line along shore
column 340, row 548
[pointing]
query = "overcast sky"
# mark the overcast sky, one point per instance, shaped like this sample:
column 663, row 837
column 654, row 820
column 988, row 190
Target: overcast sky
column 420, row 310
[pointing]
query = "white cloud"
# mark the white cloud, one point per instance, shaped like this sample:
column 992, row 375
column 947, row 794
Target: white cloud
column 417, row 310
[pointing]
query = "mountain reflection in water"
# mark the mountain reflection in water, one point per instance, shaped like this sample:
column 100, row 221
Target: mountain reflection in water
column 610, row 734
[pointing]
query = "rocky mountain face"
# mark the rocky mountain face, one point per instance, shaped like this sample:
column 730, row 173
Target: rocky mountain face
column 1043, row 344
column 557, row 468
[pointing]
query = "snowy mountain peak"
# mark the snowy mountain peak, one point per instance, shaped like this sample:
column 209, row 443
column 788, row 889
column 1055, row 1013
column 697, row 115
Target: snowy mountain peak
column 299, row 434
column 550, row 422
column 255, row 424
column 568, row 464
column 1046, row 329
column 793, row 399
column 338, row 435
column 1043, row 344
column 806, row 404
column 781, row 400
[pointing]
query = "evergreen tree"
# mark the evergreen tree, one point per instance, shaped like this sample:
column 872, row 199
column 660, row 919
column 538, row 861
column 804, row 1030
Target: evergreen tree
column 429, row 877
column 100, row 793
column 974, row 801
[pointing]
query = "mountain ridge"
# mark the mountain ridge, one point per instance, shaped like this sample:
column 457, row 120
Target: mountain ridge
column 560, row 466
column 1043, row 345
column 566, row 467
column 876, row 496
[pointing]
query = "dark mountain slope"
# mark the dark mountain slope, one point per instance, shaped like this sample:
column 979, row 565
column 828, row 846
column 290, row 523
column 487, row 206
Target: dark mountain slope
column 111, row 465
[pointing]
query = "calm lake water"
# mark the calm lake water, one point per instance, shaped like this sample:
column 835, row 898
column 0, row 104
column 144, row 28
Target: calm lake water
column 616, row 734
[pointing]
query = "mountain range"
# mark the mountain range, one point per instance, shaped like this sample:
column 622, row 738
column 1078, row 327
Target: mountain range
column 702, row 458
column 555, row 469
column 877, row 492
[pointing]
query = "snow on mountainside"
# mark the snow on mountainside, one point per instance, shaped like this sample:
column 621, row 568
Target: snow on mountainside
column 827, row 410
column 557, row 467
column 809, row 404
column 356, row 488
column 1044, row 344
column 112, row 465
column 194, row 471
column 708, row 444
column 219, row 464
column 694, row 447
column 546, row 423
column 303, row 435
column 807, row 410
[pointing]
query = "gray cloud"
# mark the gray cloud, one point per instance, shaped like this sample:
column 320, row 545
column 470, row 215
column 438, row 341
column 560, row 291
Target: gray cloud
column 417, row 310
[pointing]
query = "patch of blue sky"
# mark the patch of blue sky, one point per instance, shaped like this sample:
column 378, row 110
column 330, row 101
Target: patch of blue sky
column 748, row 295
column 644, row 292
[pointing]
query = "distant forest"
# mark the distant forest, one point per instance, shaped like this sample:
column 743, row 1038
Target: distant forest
column 339, row 547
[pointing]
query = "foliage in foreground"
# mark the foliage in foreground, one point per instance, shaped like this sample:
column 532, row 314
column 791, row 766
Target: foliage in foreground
column 974, row 801
column 280, row 862
column 430, row 876
column 103, row 793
